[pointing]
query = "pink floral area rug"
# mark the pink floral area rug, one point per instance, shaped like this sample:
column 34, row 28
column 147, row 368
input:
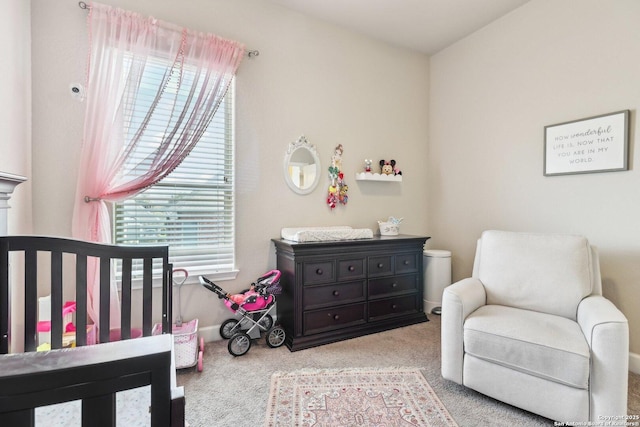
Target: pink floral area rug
column 391, row 397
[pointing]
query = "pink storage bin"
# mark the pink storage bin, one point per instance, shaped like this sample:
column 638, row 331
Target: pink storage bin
column 185, row 343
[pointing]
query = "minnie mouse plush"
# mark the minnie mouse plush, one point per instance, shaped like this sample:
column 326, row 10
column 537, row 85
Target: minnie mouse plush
column 387, row 167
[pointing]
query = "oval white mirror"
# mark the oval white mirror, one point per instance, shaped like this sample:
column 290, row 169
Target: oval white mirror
column 301, row 166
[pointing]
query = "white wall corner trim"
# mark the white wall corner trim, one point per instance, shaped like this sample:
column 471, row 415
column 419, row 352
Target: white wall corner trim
column 8, row 182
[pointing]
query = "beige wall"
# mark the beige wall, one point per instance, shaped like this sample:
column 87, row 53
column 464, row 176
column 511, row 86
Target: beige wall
column 491, row 96
column 481, row 104
column 311, row 78
column 15, row 108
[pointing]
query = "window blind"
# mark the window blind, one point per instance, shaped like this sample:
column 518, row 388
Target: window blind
column 191, row 210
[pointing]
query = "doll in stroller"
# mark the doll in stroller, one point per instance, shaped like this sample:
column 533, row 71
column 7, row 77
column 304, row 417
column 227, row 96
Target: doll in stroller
column 252, row 308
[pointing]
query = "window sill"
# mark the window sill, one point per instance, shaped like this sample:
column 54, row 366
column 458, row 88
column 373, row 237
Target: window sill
column 215, row 276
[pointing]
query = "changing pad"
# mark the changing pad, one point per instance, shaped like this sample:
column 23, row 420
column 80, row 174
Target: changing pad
column 323, row 234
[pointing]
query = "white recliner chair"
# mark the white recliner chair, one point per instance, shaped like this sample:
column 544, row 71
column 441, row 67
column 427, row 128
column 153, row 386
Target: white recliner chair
column 532, row 329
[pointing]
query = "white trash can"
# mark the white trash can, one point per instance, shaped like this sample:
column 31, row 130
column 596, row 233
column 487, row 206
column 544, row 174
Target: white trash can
column 437, row 276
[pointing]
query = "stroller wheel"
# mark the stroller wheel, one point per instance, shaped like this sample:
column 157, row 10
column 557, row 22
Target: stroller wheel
column 239, row 344
column 275, row 337
column 200, row 361
column 266, row 322
column 228, row 328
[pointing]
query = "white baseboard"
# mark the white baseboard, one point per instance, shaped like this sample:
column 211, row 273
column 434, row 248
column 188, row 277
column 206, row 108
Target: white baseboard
column 634, row 363
column 210, row 333
column 430, row 305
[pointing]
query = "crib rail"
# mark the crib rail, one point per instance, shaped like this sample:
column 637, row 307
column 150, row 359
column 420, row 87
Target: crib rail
column 83, row 252
column 93, row 374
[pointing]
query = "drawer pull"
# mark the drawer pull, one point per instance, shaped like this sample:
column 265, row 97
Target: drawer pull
column 394, row 285
column 393, row 306
column 406, row 262
column 336, row 293
column 335, row 316
column 380, row 265
column 351, row 268
column 319, row 272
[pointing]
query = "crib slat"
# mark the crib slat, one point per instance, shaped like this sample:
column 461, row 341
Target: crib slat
column 105, row 298
column 147, row 296
column 30, row 298
column 102, row 408
column 56, row 300
column 125, row 320
column 167, row 293
column 81, row 299
column 4, row 297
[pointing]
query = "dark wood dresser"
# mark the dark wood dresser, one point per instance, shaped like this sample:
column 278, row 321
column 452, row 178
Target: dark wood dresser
column 337, row 290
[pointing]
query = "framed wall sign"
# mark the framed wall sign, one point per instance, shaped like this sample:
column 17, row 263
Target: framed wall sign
column 594, row 144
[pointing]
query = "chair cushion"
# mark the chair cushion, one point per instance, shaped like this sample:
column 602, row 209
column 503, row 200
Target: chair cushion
column 549, row 273
column 544, row 345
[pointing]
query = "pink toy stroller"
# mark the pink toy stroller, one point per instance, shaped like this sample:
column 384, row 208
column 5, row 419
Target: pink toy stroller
column 253, row 306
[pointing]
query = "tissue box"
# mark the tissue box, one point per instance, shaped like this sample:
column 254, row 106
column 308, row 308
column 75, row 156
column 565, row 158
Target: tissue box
column 388, row 228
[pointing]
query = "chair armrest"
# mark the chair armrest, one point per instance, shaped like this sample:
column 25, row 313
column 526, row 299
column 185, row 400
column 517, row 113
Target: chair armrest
column 458, row 301
column 607, row 332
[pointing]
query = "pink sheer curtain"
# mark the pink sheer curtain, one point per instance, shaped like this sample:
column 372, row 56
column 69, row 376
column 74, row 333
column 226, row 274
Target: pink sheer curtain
column 122, row 153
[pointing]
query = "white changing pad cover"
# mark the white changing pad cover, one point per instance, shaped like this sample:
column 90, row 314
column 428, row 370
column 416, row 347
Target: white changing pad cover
column 324, row 234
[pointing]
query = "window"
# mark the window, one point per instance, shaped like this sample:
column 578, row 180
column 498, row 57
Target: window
column 192, row 210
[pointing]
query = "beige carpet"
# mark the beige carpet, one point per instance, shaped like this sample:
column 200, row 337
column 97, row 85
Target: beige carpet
column 391, row 397
column 233, row 392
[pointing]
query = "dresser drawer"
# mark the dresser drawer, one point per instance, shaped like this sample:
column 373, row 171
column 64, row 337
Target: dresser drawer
column 406, row 263
column 319, row 272
column 380, row 265
column 351, row 269
column 328, row 319
column 393, row 284
column 391, row 307
column 333, row 294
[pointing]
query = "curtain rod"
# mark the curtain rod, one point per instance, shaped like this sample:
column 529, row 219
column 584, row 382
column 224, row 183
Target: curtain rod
column 250, row 53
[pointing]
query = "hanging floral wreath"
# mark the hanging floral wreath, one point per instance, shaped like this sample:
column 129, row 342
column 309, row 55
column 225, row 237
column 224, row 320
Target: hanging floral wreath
column 338, row 187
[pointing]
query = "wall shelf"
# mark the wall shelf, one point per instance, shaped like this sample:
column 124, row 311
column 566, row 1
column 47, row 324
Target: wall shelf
column 368, row 176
